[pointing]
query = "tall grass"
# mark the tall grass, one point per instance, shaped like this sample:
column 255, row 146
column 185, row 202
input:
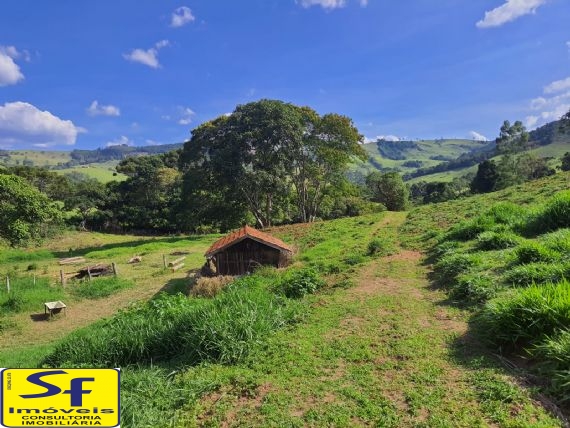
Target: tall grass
column 537, row 273
column 25, row 296
column 555, row 215
column 525, row 316
column 15, row 255
column 223, row 329
column 100, row 287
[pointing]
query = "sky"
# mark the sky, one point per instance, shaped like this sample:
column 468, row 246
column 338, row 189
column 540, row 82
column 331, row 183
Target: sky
column 87, row 74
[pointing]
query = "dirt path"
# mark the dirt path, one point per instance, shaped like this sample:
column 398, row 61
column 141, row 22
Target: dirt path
column 386, row 352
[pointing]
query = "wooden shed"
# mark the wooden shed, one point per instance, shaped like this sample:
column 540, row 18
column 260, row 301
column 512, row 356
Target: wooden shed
column 245, row 249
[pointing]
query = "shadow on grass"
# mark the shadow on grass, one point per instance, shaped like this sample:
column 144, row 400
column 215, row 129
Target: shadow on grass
column 179, row 285
column 80, row 252
column 468, row 351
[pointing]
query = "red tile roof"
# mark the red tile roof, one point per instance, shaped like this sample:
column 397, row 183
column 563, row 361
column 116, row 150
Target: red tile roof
column 243, row 233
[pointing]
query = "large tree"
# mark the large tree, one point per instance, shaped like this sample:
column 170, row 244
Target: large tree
column 486, row 178
column 25, row 213
column 388, row 189
column 263, row 158
column 512, row 138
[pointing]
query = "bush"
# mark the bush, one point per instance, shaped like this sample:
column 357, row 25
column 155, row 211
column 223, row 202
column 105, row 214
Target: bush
column 534, row 252
column 354, row 259
column 381, row 247
column 210, row 287
column 14, row 303
column 451, row 265
column 526, row 316
column 474, row 288
column 298, row 283
column 497, row 240
column 537, row 273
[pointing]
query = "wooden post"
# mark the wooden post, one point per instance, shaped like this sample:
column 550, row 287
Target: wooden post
column 8, row 283
column 34, row 279
column 89, row 273
column 62, row 277
column 115, row 272
column 164, row 261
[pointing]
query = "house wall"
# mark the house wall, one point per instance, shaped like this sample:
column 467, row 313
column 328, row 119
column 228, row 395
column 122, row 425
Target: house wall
column 247, row 255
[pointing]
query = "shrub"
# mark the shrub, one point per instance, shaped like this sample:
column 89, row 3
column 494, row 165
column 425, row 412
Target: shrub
column 354, row 259
column 497, row 240
column 210, row 287
column 555, row 348
column 297, row 283
column 474, row 288
column 525, row 316
column 537, row 273
column 534, row 252
column 380, row 246
column 453, row 264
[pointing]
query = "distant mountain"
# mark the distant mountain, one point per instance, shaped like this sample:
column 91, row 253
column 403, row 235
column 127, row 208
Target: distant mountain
column 119, row 152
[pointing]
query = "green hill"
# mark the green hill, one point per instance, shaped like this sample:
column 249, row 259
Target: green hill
column 408, row 156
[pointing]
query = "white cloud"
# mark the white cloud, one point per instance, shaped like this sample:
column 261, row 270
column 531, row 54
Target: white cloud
column 121, row 141
column 388, row 137
column 96, row 109
column 22, row 123
column 477, row 137
column 558, row 86
column 186, row 116
column 181, row 16
column 147, row 57
column 511, row 10
column 548, row 109
column 328, row 4
column 10, row 72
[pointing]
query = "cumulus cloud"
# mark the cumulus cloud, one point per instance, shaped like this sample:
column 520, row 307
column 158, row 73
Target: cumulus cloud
column 96, row 109
column 551, row 107
column 474, row 135
column 509, row 11
column 558, row 86
column 121, row 141
column 328, row 4
column 181, row 16
column 10, row 72
column 22, row 123
column 147, row 57
column 186, row 116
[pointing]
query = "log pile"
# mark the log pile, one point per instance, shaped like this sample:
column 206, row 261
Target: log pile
column 94, row 271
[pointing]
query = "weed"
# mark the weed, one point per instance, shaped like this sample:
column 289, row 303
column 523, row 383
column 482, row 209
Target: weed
column 497, row 240
column 534, row 252
column 537, row 273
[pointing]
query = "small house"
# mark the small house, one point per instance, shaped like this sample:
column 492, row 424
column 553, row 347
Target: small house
column 245, row 249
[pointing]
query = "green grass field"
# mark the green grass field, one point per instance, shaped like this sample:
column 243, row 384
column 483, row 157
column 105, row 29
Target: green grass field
column 103, row 172
column 376, row 346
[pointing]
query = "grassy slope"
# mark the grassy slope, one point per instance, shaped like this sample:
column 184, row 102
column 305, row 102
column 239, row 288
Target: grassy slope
column 100, row 171
column 40, row 158
column 555, row 150
column 426, row 149
column 383, row 352
column 427, row 220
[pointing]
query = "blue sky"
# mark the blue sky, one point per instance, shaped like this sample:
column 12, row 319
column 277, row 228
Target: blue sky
column 86, row 74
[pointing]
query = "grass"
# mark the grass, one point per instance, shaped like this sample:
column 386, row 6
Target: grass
column 485, row 258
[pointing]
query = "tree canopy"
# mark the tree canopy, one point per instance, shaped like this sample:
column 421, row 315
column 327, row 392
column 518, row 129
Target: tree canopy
column 272, row 160
column 25, row 212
